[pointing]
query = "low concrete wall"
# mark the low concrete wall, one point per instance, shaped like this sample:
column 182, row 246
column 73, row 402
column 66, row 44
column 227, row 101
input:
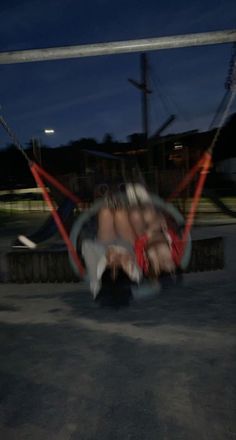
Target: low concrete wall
column 53, row 265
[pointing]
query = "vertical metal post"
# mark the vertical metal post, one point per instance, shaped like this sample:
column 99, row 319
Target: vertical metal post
column 144, row 97
column 145, row 111
column 37, row 150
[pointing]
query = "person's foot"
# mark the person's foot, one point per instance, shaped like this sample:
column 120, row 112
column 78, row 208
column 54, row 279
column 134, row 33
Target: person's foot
column 142, row 194
column 131, row 194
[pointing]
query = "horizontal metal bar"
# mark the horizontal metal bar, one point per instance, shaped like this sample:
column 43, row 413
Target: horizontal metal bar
column 118, row 47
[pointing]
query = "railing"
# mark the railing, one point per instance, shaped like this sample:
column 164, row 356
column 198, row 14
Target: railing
column 29, row 200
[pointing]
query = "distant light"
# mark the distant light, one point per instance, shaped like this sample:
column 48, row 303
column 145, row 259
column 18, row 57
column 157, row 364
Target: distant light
column 178, row 147
column 49, row 131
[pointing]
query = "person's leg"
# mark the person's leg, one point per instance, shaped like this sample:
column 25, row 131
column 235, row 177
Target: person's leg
column 153, row 259
column 160, row 259
column 94, row 255
column 123, row 226
column 165, row 258
column 148, row 217
column 136, row 219
column 138, row 194
column 106, row 227
column 154, row 220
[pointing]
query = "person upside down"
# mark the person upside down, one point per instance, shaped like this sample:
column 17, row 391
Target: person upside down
column 132, row 239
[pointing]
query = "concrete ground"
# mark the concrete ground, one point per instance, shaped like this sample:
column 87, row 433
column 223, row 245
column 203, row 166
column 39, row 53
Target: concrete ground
column 161, row 369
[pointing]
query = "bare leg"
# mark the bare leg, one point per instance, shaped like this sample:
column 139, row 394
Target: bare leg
column 154, row 220
column 150, row 215
column 123, row 227
column 154, row 260
column 137, row 221
column 160, row 258
column 165, row 258
column 106, row 227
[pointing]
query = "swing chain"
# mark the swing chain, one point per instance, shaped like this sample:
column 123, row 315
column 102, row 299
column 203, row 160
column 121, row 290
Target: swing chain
column 16, row 142
column 230, row 83
column 223, row 119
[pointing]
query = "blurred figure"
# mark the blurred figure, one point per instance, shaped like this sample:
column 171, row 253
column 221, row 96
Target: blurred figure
column 133, row 239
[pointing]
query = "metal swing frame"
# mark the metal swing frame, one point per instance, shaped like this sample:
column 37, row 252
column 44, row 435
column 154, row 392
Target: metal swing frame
column 118, row 47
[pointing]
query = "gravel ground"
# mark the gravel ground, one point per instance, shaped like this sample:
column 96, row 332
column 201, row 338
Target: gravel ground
column 161, row 369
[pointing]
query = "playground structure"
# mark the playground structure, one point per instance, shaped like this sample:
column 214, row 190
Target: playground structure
column 202, row 166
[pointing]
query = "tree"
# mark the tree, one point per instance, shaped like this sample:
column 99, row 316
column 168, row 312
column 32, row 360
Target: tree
column 108, row 139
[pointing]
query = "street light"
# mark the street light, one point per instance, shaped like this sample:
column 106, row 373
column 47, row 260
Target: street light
column 49, row 131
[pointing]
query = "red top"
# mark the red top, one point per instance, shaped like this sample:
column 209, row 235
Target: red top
column 139, row 248
column 176, row 247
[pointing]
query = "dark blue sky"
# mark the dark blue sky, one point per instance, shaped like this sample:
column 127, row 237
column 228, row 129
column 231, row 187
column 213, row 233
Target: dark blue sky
column 89, row 97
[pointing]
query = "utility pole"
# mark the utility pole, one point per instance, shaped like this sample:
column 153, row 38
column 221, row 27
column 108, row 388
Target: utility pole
column 145, row 92
column 143, row 87
column 37, row 150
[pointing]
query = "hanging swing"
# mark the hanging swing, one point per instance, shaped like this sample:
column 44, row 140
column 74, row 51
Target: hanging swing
column 86, row 226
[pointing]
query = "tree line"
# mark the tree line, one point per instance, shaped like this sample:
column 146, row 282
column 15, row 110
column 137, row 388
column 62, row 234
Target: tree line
column 14, row 169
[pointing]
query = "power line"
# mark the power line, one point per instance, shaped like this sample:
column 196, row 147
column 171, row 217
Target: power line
column 168, row 102
column 161, row 96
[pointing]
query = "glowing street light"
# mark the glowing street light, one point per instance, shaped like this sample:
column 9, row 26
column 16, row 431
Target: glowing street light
column 49, row 131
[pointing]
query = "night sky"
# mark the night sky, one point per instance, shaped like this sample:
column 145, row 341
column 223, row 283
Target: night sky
column 88, row 97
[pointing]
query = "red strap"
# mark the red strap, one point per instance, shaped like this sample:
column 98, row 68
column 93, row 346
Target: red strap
column 57, row 184
column 197, row 195
column 139, row 248
column 176, row 247
column 187, row 179
column 57, row 219
column 180, row 244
